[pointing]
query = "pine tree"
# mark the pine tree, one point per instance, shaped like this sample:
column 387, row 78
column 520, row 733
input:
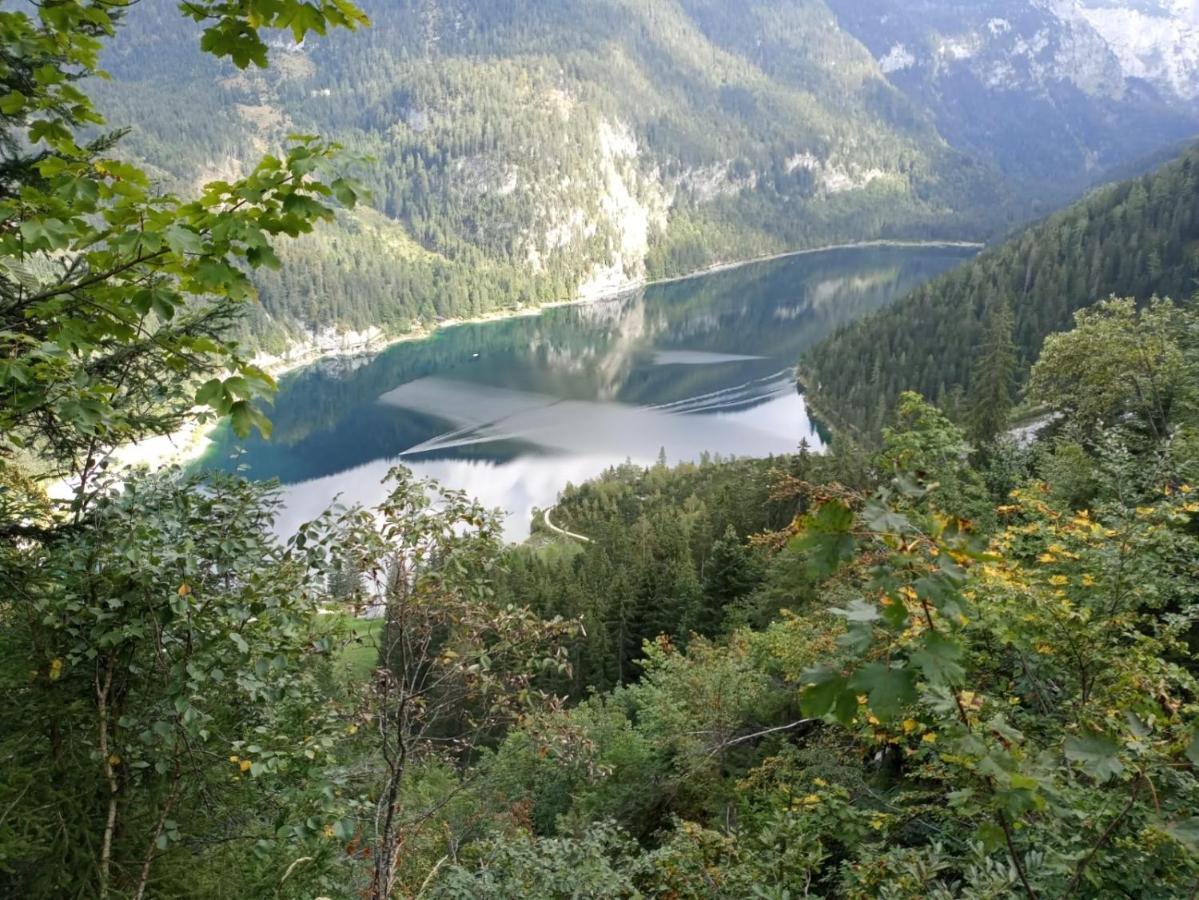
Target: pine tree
column 732, row 571
column 990, row 398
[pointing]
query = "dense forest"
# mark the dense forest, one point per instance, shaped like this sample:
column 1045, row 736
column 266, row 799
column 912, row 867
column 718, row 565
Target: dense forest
column 938, row 668
column 1135, row 239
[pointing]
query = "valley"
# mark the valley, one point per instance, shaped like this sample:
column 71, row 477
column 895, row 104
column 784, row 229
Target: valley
column 632, row 449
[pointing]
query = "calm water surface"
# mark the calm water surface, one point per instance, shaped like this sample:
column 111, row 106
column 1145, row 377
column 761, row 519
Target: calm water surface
column 511, row 411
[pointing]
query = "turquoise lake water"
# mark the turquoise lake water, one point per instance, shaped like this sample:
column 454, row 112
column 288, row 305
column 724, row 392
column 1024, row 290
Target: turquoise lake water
column 513, row 410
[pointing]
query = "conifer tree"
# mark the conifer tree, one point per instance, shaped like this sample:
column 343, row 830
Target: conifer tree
column 991, row 385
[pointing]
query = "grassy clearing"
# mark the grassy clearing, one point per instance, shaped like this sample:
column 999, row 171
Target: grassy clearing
column 360, row 653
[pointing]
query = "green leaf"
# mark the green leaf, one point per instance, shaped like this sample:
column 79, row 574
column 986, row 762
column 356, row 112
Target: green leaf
column 858, row 611
column 938, row 658
column 888, row 689
column 304, row 18
column 991, row 836
column 826, row 540
column 12, row 103
column 833, row 517
column 821, row 689
column 263, row 256
column 236, row 40
column 245, row 418
column 211, row 393
column 895, row 614
column 182, row 240
column 885, row 521
column 45, row 234
column 938, row 590
column 1097, row 754
column 1185, row 831
column 345, row 192
column 1192, row 750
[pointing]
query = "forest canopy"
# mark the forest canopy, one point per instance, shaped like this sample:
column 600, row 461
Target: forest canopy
column 1132, row 239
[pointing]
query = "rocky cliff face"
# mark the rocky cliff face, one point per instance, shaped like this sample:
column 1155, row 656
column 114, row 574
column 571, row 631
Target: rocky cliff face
column 1156, row 41
column 1055, row 91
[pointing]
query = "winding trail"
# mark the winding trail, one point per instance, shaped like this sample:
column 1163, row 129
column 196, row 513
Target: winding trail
column 562, row 531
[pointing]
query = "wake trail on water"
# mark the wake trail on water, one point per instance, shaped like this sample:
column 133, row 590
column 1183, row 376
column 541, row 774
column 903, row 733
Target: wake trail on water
column 485, row 415
column 714, row 399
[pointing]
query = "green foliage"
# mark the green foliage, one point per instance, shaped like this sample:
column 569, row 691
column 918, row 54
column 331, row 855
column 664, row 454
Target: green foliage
column 146, row 688
column 993, row 705
column 236, row 26
column 992, row 382
column 1118, row 361
column 923, row 448
column 838, row 676
column 598, row 864
column 668, row 555
column 165, row 666
column 115, row 298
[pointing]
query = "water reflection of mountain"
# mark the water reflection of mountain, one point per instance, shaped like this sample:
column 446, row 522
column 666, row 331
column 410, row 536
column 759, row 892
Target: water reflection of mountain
column 601, row 377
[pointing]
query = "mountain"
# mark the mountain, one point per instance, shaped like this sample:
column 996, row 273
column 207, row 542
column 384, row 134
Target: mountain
column 528, row 151
column 1054, row 92
column 523, row 151
column 1139, row 238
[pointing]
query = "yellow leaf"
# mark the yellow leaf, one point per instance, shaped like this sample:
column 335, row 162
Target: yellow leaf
column 244, row 765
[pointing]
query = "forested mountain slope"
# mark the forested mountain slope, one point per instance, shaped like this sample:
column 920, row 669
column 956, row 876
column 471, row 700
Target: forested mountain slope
column 527, row 151
column 1137, row 238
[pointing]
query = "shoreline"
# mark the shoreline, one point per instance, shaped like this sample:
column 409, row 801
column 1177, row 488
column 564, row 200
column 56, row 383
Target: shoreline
column 378, row 345
column 192, row 441
column 716, row 268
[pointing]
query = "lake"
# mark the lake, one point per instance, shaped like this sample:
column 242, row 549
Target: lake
column 513, row 410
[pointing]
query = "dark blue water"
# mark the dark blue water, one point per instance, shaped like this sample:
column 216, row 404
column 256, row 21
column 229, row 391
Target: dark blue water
column 513, row 410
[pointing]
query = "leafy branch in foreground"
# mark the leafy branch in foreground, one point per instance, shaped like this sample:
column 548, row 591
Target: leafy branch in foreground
column 1031, row 672
column 116, row 299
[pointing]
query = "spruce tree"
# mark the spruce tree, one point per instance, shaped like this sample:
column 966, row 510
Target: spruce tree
column 992, row 381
